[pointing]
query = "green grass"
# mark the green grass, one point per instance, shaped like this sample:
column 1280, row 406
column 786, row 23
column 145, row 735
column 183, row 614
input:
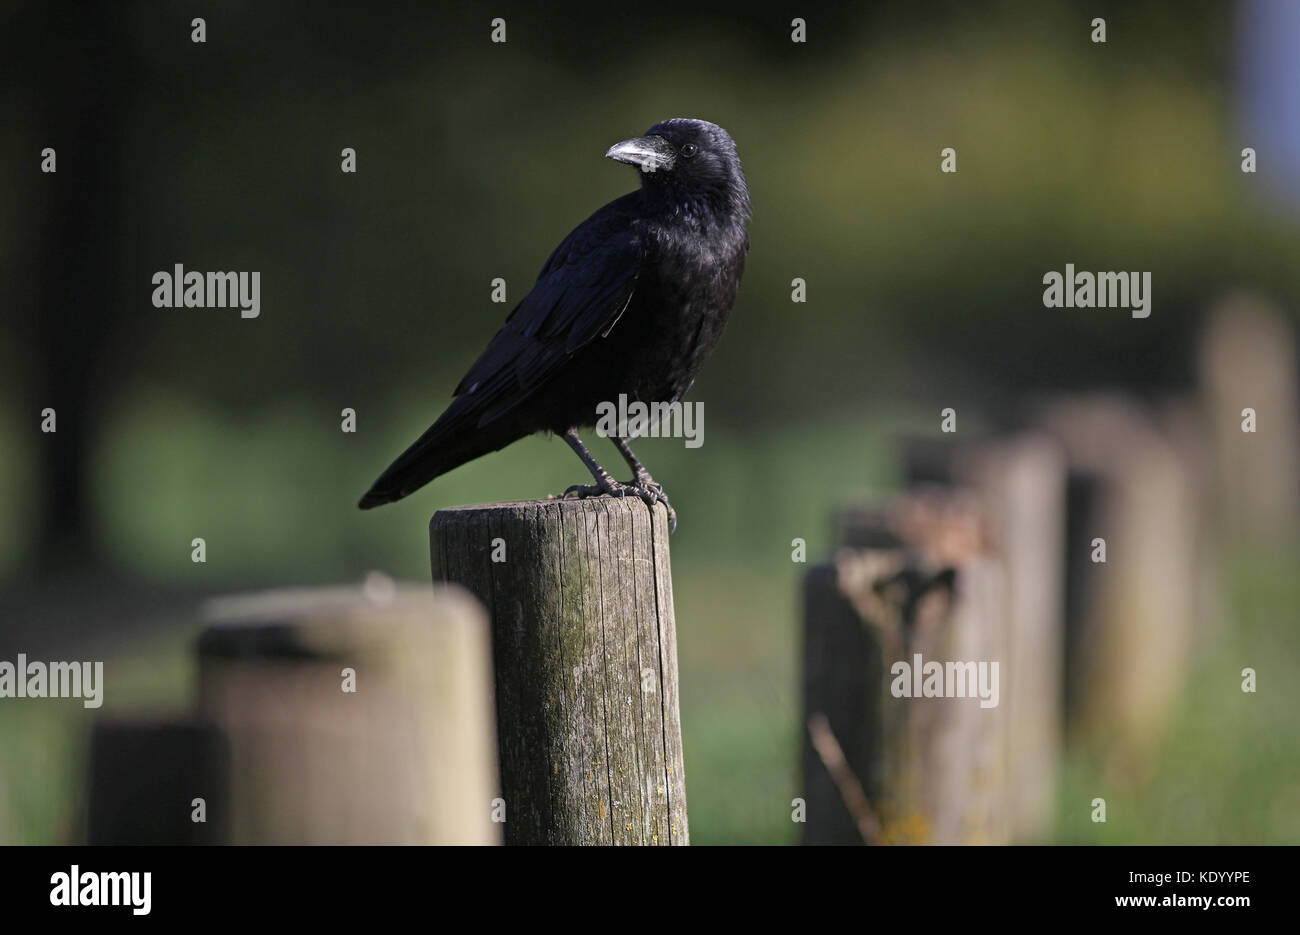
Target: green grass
column 1227, row 770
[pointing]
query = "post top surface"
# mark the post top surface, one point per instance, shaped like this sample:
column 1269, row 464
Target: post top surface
column 570, row 502
column 555, row 505
column 316, row 621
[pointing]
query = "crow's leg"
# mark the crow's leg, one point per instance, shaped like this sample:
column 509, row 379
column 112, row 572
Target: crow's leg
column 645, row 487
column 605, row 483
column 642, row 480
column 641, row 477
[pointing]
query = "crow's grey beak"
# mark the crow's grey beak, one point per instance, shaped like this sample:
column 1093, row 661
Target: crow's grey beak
column 651, row 153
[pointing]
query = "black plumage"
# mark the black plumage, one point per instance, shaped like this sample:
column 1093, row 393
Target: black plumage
column 632, row 302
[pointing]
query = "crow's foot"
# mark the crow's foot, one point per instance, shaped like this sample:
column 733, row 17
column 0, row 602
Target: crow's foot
column 646, row 482
column 643, row 487
column 652, row 492
column 606, row 488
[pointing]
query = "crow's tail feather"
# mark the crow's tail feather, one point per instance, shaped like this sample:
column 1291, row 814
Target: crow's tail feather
column 450, row 442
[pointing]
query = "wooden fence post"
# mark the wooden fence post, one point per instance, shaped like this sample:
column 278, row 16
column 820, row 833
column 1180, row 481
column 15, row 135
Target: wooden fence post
column 580, row 597
column 353, row 718
column 1021, row 482
column 146, row 775
column 1132, row 617
column 913, row 579
column 843, row 670
column 1248, row 362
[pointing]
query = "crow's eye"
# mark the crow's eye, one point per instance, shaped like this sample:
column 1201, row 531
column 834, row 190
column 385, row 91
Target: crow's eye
column 689, row 150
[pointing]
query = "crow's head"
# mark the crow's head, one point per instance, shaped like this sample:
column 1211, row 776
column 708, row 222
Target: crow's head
column 686, row 158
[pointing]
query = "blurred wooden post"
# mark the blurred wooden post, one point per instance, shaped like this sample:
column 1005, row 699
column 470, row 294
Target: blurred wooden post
column 913, row 579
column 1132, row 618
column 1021, row 483
column 144, row 777
column 408, row 757
column 585, row 649
column 842, row 672
column 1248, row 361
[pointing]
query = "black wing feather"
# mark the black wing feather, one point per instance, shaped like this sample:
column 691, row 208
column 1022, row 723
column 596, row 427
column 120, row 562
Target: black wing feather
column 580, row 294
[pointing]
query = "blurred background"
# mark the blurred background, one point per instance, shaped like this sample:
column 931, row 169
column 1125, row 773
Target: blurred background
column 924, row 291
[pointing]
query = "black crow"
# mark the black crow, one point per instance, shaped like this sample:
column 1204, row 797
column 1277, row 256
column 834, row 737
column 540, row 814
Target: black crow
column 631, row 302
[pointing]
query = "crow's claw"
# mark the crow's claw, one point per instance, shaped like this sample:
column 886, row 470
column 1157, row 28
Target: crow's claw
column 645, row 488
column 610, row 488
column 652, row 492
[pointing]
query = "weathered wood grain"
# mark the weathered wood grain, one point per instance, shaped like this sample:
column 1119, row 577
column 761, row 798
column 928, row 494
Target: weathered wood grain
column 585, row 656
